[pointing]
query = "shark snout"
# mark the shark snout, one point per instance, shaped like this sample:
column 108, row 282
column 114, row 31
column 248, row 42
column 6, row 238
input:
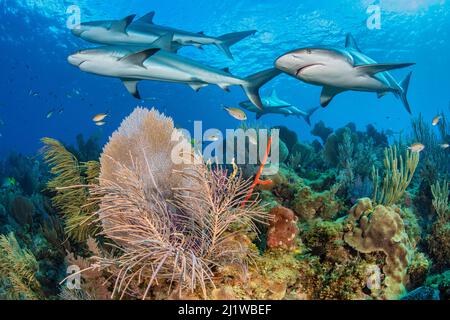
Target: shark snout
column 75, row 59
column 77, row 31
column 286, row 63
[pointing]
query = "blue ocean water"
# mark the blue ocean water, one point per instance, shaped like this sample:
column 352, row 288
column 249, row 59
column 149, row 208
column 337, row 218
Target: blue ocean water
column 36, row 78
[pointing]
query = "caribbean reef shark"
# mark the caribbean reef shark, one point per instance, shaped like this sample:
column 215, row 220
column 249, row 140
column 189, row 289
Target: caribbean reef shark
column 274, row 105
column 144, row 32
column 132, row 65
column 342, row 69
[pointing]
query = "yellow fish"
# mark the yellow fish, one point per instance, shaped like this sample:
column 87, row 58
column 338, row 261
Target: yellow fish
column 100, row 123
column 436, row 120
column 416, row 147
column 100, row 117
column 236, row 113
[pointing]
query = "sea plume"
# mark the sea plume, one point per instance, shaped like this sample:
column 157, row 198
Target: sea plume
column 67, row 172
column 172, row 222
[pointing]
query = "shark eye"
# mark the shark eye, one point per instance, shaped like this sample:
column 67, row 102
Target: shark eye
column 308, row 51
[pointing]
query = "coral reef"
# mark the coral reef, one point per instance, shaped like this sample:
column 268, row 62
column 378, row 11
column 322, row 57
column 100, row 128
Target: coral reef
column 322, row 131
column 381, row 229
column 282, row 229
column 308, row 204
column 148, row 219
column 72, row 202
column 398, row 175
column 18, row 268
column 172, row 222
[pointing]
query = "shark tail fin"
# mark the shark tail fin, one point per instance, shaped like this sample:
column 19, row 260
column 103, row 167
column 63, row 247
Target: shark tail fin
column 227, row 40
column 309, row 114
column 253, row 83
column 403, row 95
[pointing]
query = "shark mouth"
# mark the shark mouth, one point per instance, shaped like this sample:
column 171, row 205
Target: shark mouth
column 300, row 70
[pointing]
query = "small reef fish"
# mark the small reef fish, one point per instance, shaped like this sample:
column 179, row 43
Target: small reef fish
column 32, row 93
column 99, row 117
column 236, row 113
column 445, row 145
column 50, row 114
column 416, row 147
column 212, row 138
column 100, row 123
column 436, row 120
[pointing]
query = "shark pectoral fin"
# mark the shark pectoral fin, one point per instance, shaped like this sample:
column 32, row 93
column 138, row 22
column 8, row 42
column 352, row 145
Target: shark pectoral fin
column 225, row 87
column 164, row 42
column 122, row 25
column 350, row 43
column 328, row 93
column 139, row 57
column 371, row 69
column 196, row 86
column 148, row 18
column 132, row 87
column 381, row 94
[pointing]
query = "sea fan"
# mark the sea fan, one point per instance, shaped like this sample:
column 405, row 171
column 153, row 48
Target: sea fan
column 173, row 223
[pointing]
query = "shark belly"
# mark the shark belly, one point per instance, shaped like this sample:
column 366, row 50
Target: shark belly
column 341, row 75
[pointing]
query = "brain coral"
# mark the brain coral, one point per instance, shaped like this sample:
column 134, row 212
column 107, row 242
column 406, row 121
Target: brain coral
column 381, row 229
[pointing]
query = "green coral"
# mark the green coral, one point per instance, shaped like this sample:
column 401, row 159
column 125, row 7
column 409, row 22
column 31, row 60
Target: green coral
column 308, row 204
column 399, row 172
column 18, row 268
column 418, row 270
column 71, row 194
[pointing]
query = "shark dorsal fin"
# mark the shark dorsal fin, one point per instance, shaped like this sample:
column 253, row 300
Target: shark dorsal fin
column 274, row 94
column 122, row 25
column 148, row 18
column 201, row 33
column 164, row 42
column 139, row 57
column 350, row 43
column 227, row 70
